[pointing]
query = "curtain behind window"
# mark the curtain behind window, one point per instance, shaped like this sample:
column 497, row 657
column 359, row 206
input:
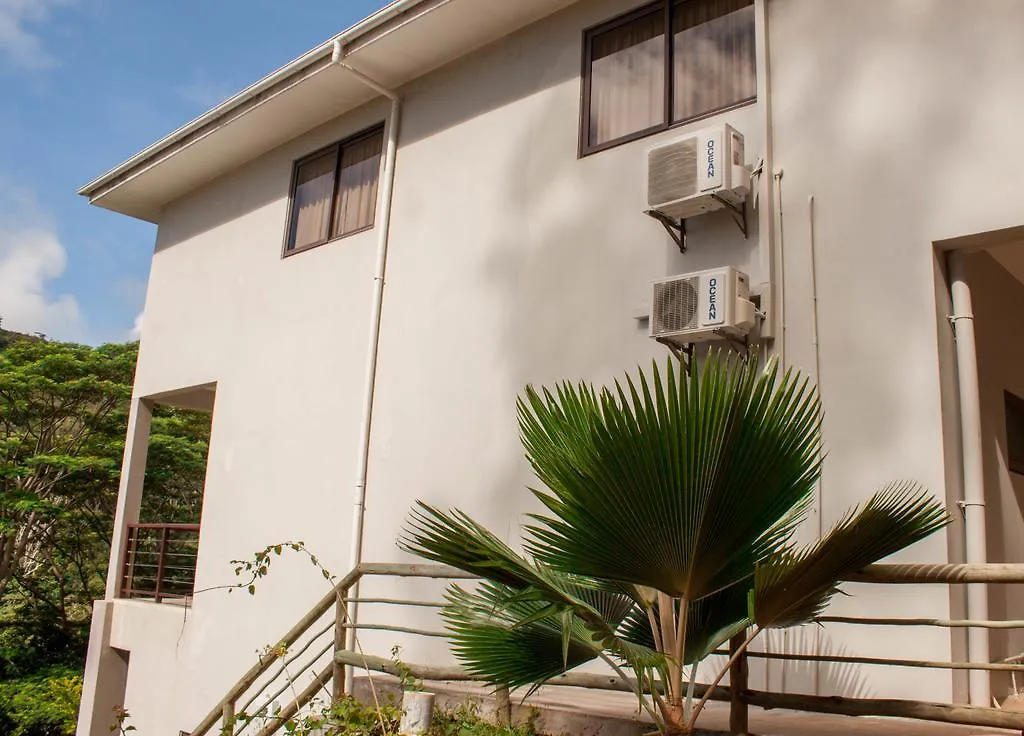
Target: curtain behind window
column 713, row 49
column 311, row 206
column 357, row 185
column 627, row 78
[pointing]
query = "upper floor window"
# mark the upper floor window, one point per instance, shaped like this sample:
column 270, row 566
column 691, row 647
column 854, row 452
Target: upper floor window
column 334, row 191
column 665, row 64
column 1014, row 432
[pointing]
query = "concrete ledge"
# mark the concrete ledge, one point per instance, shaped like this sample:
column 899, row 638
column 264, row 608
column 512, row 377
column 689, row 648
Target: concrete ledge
column 575, row 713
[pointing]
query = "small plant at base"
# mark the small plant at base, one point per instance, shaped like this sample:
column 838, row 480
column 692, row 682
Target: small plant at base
column 405, row 675
column 466, row 720
column 121, row 717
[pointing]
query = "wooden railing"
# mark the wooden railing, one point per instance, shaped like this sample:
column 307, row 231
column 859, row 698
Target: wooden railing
column 160, row 563
column 326, row 624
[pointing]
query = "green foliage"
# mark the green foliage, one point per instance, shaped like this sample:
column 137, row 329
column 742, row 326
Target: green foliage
column 43, row 705
column 466, row 721
column 671, row 502
column 63, row 417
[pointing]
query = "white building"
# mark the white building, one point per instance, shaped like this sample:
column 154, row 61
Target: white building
column 518, row 252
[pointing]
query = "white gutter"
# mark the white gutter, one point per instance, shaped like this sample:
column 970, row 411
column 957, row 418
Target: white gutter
column 322, row 51
column 973, row 504
column 366, row 422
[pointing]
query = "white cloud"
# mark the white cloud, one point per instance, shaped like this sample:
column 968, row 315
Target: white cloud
column 202, row 92
column 136, row 331
column 19, row 41
column 31, row 256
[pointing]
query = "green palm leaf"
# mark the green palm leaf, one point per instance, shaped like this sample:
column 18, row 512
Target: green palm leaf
column 676, row 484
column 507, row 640
column 455, row 539
column 795, row 585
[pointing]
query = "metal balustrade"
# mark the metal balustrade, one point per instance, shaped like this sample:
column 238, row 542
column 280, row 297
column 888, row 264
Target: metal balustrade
column 160, row 562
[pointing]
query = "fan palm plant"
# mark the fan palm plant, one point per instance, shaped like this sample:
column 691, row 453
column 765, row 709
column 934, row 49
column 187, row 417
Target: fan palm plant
column 671, row 504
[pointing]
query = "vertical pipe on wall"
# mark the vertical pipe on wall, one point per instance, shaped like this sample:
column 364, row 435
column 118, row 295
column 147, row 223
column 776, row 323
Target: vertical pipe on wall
column 973, row 503
column 366, row 421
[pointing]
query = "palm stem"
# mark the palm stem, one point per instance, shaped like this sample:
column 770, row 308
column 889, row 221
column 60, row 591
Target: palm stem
column 684, row 615
column 655, row 629
column 689, row 691
column 666, row 611
column 711, row 688
column 636, row 685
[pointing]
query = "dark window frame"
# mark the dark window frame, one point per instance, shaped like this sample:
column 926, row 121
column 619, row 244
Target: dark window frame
column 585, row 149
column 337, row 148
column 1015, row 403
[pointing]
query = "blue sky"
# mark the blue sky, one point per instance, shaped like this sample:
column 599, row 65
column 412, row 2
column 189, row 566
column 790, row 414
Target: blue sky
column 84, row 84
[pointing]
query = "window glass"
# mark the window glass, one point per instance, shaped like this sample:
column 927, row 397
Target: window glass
column 335, row 192
column 357, row 184
column 311, row 202
column 627, row 78
column 713, row 50
column 631, row 72
column 1014, row 432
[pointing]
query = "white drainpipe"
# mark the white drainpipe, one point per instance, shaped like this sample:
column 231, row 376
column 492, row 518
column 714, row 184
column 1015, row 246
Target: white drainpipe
column 363, row 459
column 973, row 503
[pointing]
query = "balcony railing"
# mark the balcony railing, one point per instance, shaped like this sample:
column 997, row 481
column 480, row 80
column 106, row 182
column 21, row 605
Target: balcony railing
column 160, row 563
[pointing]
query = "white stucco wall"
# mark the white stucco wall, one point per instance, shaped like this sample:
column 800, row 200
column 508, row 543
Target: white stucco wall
column 513, row 261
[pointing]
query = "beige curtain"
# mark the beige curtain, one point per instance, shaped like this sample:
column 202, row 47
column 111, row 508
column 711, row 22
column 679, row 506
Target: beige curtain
column 357, row 185
column 627, row 78
column 713, row 49
column 311, row 205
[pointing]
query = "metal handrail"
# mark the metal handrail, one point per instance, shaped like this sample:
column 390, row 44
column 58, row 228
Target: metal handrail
column 225, row 710
column 155, row 552
column 740, row 698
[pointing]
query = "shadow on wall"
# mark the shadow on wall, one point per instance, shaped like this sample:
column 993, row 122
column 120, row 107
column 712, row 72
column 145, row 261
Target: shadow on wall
column 832, row 678
column 518, row 72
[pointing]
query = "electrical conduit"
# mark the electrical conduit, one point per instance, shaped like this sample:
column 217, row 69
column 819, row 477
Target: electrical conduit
column 973, row 504
column 366, row 421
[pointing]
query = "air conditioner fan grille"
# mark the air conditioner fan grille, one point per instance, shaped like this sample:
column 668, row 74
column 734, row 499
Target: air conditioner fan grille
column 675, row 306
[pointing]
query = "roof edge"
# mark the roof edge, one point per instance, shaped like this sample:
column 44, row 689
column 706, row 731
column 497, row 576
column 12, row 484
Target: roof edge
column 397, row 8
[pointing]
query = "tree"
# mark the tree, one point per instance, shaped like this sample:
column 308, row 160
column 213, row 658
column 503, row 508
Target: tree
column 671, row 505
column 63, row 419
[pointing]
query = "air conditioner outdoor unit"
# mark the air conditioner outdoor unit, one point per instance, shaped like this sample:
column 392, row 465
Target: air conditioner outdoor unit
column 698, row 173
column 703, row 305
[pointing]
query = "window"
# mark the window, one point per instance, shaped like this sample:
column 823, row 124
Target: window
column 334, row 191
column 1014, row 432
column 665, row 64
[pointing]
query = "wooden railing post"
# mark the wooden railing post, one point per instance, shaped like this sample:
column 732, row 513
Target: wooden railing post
column 503, row 706
column 340, row 632
column 738, row 720
column 227, row 718
column 161, row 558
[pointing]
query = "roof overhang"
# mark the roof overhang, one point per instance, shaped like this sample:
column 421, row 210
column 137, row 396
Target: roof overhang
column 399, row 43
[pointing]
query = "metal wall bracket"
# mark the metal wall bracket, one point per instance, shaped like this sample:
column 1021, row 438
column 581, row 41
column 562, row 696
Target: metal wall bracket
column 683, row 354
column 738, row 212
column 742, row 347
column 675, row 228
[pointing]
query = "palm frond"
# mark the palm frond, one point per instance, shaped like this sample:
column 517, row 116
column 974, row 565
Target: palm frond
column 710, row 622
column 794, row 585
column 454, row 539
column 510, row 641
column 679, row 484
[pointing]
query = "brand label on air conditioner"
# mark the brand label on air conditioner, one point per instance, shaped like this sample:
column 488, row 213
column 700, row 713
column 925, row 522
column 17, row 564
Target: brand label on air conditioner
column 711, row 162
column 712, row 308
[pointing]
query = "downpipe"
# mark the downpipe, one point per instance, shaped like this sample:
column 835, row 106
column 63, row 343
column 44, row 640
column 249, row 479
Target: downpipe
column 370, row 376
column 973, row 503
